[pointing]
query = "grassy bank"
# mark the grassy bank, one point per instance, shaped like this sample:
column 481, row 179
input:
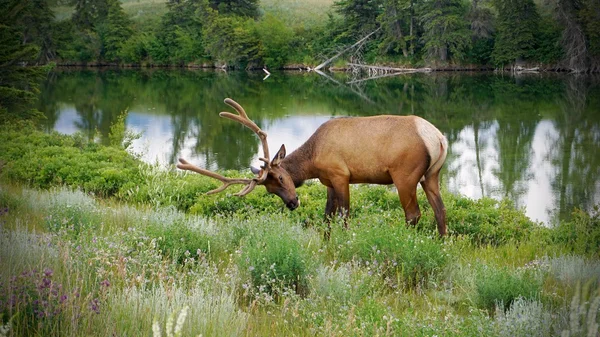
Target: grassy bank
column 94, row 242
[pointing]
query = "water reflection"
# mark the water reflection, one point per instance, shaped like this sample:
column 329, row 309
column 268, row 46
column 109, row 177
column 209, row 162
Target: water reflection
column 534, row 139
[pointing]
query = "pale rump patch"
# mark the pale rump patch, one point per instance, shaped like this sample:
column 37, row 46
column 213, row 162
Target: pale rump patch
column 436, row 143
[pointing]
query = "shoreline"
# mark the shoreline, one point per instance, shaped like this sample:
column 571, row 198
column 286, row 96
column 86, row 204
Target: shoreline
column 304, row 67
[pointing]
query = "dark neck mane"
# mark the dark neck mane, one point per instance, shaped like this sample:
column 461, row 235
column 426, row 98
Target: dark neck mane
column 299, row 163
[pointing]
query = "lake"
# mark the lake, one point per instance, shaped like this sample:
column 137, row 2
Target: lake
column 531, row 138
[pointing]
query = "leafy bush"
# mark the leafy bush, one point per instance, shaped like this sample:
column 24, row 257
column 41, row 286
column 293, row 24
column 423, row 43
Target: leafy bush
column 393, row 252
column 582, row 234
column 500, row 286
column 178, row 240
column 487, row 221
column 45, row 160
column 276, row 262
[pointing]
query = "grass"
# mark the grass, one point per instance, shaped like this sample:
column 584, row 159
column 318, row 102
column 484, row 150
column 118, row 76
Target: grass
column 295, row 13
column 104, row 266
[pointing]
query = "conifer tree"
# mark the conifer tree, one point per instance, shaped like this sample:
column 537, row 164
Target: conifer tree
column 516, row 31
column 18, row 84
column 114, row 31
column 88, row 13
column 445, row 30
column 245, row 8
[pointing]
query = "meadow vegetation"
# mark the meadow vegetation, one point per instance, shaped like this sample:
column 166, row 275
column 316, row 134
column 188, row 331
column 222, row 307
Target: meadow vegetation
column 95, row 242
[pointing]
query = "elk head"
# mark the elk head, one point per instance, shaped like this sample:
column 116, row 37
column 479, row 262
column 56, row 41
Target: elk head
column 274, row 177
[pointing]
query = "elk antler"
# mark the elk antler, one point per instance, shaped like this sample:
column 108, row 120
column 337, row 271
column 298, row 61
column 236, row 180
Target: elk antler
column 242, row 118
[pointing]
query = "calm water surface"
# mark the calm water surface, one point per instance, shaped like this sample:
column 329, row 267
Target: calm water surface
column 534, row 139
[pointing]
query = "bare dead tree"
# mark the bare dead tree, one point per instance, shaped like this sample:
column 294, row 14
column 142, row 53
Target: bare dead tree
column 573, row 37
column 359, row 42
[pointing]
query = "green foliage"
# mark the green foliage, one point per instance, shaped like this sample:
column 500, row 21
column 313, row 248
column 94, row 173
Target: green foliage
column 276, row 261
column 231, row 39
column 517, row 29
column 396, row 253
column 360, row 16
column 581, row 234
column 501, row 287
column 114, row 31
column 493, row 223
column 179, row 35
column 548, row 49
column 45, row 160
column 119, row 136
column 18, row 84
column 276, row 38
column 179, row 241
column 243, row 8
column 445, row 29
column 89, row 13
column 137, row 48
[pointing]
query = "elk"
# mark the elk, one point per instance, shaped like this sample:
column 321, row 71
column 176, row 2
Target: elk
column 385, row 149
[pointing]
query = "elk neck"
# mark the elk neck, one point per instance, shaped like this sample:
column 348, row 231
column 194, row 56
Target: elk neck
column 299, row 164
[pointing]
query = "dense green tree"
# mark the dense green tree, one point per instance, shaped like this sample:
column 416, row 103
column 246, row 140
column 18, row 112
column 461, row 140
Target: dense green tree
column 114, row 31
column 88, row 13
column 395, row 20
column 230, row 39
column 37, row 23
column 445, row 30
column 18, row 83
column 179, row 36
column 276, row 40
column 516, row 31
column 481, row 20
column 244, row 8
column 360, row 16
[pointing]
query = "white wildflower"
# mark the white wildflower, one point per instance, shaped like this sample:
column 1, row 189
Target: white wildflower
column 169, row 326
column 181, row 320
column 156, row 329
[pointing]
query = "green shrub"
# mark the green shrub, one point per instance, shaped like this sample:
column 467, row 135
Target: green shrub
column 275, row 261
column 500, row 286
column 71, row 214
column 178, row 240
column 581, row 234
column 393, row 251
column 487, row 221
column 45, row 160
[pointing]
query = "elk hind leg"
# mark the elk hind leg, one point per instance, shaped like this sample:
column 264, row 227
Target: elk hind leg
column 408, row 199
column 431, row 186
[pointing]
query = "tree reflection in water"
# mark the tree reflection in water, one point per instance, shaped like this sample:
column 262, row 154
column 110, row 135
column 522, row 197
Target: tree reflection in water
column 534, row 139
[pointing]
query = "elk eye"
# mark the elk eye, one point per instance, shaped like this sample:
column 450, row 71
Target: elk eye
column 281, row 178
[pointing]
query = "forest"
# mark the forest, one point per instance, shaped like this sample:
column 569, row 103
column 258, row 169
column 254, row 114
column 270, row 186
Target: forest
column 247, row 34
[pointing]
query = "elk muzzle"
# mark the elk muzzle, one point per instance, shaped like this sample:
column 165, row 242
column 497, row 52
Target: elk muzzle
column 293, row 203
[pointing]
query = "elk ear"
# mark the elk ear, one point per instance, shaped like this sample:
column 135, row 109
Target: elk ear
column 278, row 156
column 254, row 170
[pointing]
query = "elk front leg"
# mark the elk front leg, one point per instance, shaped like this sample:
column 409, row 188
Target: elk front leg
column 342, row 198
column 331, row 206
column 330, row 210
